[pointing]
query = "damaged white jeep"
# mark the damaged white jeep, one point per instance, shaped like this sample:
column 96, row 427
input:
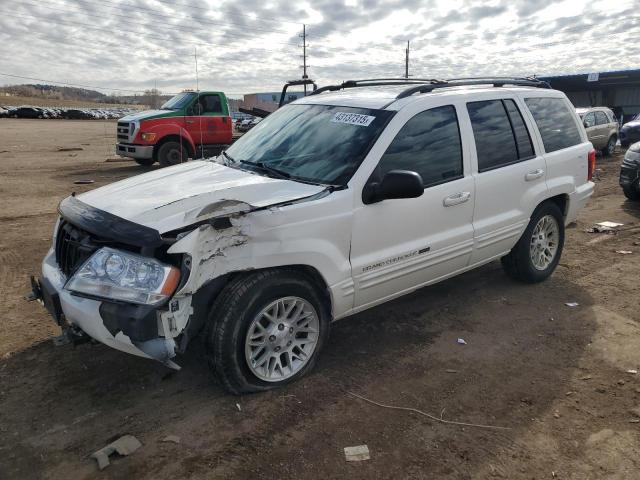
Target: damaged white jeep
column 348, row 198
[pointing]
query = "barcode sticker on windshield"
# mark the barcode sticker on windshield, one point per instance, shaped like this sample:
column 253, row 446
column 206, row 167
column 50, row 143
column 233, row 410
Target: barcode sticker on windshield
column 353, row 119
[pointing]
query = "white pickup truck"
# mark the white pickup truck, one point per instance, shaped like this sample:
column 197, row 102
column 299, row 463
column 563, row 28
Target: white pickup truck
column 348, row 198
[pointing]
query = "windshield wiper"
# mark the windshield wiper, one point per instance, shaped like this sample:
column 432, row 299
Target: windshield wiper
column 228, row 157
column 267, row 168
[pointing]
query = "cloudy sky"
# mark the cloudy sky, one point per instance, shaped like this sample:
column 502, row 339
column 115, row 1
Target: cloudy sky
column 253, row 45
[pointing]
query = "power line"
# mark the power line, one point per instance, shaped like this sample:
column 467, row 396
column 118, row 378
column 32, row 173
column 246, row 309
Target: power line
column 153, row 12
column 164, row 27
column 267, row 19
column 64, row 84
column 111, row 30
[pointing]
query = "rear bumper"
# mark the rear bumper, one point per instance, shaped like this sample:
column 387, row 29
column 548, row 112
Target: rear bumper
column 134, row 151
column 577, row 200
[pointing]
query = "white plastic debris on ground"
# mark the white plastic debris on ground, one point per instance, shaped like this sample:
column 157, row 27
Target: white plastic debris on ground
column 461, row 341
column 357, row 453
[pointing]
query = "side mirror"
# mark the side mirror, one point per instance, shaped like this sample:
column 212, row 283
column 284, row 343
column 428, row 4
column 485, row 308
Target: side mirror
column 395, row 184
column 585, row 124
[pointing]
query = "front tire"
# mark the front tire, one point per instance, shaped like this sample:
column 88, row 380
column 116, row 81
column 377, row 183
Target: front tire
column 537, row 253
column 172, row 153
column 266, row 330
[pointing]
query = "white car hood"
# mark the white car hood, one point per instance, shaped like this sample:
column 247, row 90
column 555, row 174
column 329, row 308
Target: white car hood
column 174, row 197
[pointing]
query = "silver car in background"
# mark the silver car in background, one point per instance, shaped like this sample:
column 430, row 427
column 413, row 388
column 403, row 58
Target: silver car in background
column 602, row 128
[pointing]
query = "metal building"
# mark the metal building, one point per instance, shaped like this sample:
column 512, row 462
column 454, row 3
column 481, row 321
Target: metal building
column 618, row 90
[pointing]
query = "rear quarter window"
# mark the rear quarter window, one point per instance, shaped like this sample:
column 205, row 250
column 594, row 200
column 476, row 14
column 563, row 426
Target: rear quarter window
column 555, row 122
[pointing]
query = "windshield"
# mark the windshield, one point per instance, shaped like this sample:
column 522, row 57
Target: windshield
column 179, row 101
column 315, row 143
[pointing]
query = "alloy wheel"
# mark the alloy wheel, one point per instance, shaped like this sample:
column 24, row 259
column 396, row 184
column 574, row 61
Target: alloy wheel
column 281, row 339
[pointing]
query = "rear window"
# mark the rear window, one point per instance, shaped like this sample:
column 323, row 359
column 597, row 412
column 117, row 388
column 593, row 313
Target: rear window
column 555, row 122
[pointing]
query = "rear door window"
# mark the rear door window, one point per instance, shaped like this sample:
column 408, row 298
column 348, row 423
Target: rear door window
column 501, row 136
column 429, row 144
column 555, row 122
column 589, row 120
column 601, row 118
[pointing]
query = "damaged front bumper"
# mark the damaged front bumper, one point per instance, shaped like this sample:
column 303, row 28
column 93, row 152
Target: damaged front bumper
column 134, row 329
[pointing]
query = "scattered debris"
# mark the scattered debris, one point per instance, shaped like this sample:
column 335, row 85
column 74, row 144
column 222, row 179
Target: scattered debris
column 635, row 412
column 605, row 227
column 117, row 159
column 635, row 420
column 632, row 371
column 556, row 414
column 586, row 377
column 624, row 252
column 572, row 304
column 171, row 439
column 451, row 370
column 238, row 407
column 124, row 446
column 428, row 415
column 70, row 149
column 357, row 453
column 609, row 224
column 621, row 382
column 84, row 182
column 461, row 341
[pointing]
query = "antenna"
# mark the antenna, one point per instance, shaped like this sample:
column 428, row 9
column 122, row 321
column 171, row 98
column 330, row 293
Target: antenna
column 406, row 61
column 304, row 56
column 195, row 56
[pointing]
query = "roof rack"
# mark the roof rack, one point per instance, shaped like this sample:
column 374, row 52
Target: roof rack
column 458, row 82
column 374, row 82
column 424, row 85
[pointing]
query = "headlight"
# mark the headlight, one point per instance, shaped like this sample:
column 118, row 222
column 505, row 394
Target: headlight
column 125, row 276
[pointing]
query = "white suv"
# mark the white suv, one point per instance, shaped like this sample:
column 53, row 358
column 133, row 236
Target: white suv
column 340, row 201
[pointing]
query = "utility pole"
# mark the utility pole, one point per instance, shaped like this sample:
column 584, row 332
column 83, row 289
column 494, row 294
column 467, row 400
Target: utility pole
column 406, row 61
column 304, row 56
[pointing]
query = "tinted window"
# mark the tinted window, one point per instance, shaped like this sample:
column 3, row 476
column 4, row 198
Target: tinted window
column 601, row 118
column 211, row 104
column 589, row 120
column 555, row 122
column 429, row 144
column 495, row 143
column 523, row 139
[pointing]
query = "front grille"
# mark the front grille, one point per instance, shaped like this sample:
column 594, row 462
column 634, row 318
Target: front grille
column 73, row 247
column 123, row 131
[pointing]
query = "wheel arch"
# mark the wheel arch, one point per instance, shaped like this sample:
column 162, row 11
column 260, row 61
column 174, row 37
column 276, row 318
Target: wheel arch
column 204, row 299
column 561, row 201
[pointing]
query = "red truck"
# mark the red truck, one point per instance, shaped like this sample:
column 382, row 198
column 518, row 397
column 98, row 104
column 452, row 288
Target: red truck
column 190, row 125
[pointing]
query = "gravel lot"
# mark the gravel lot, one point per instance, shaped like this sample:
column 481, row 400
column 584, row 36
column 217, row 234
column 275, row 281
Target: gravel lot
column 555, row 376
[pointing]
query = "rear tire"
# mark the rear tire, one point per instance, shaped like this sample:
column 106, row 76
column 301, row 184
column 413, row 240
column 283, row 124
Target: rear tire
column 250, row 321
column 172, row 153
column 537, row 253
column 145, row 162
column 631, row 193
column 611, row 147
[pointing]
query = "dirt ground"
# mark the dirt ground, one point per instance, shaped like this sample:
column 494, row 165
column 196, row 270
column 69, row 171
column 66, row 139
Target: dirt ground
column 555, row 376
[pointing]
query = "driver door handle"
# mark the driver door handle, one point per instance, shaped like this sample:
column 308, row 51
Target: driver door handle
column 456, row 199
column 534, row 175
column 191, row 121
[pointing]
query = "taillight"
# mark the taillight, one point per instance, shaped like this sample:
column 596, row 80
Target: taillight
column 591, row 165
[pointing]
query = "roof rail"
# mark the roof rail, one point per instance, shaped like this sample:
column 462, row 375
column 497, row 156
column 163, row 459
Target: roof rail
column 374, row 82
column 458, row 82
